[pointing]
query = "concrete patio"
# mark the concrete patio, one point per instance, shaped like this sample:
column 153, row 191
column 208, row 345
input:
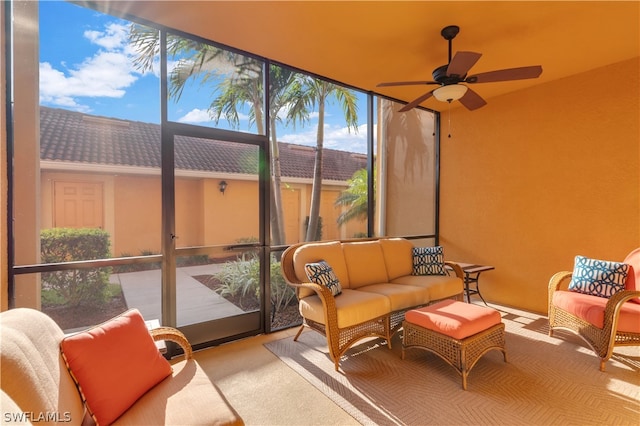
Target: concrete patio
column 196, row 303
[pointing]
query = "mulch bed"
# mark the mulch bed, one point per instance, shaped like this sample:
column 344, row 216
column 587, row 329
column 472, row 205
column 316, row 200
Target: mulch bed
column 69, row 318
column 287, row 317
column 85, row 316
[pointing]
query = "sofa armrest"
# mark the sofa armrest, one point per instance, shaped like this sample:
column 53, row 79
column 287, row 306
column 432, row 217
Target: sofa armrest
column 325, row 295
column 173, row 335
column 456, row 268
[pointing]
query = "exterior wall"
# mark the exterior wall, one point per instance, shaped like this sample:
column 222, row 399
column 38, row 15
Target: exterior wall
column 204, row 216
column 136, row 225
column 539, row 176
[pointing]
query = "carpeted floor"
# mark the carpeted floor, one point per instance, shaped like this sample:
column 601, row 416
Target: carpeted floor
column 546, row 381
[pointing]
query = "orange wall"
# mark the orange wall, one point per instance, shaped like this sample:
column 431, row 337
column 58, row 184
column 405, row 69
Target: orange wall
column 204, row 216
column 137, row 215
column 538, row 176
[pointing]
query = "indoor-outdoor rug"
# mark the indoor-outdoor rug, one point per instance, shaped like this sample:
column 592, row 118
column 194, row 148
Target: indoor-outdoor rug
column 546, row 380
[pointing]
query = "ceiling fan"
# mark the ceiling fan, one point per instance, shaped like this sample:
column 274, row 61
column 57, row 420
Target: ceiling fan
column 449, row 77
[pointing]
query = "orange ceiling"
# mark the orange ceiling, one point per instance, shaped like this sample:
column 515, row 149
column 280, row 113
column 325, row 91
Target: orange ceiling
column 363, row 43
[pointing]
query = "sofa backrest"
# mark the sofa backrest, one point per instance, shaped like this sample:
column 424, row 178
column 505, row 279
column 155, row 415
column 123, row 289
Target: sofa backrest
column 32, row 371
column 355, row 263
column 398, row 257
column 330, row 252
column 365, row 263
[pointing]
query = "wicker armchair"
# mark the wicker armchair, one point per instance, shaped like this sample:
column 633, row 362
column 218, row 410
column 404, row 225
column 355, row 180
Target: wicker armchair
column 611, row 333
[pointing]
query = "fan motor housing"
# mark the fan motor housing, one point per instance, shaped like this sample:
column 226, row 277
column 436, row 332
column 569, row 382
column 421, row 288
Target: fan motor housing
column 440, row 75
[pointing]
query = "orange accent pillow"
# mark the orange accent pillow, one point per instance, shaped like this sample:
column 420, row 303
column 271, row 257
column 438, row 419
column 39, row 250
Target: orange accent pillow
column 114, row 364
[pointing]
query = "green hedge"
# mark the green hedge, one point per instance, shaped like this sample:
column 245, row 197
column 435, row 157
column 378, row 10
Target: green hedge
column 76, row 286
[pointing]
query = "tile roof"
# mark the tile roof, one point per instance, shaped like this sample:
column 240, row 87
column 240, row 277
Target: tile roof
column 69, row 136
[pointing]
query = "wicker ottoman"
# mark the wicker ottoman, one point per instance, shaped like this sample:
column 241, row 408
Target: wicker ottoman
column 460, row 333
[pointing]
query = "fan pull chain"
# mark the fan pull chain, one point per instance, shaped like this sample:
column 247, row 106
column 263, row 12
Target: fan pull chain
column 449, row 114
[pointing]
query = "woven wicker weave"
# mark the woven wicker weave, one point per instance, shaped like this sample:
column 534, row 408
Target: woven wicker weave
column 339, row 340
column 460, row 354
column 173, row 335
column 601, row 340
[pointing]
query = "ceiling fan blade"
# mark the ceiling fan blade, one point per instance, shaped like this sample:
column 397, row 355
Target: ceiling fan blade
column 416, row 102
column 520, row 73
column 462, row 63
column 471, row 100
column 405, row 83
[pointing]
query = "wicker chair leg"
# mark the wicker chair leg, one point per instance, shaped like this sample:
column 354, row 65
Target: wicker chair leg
column 295, row 339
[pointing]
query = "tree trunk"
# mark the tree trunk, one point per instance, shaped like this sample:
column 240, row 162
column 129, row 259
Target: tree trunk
column 316, row 189
column 277, row 213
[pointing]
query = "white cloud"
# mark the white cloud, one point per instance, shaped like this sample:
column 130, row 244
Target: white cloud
column 195, row 116
column 198, row 115
column 108, row 73
column 115, row 36
column 335, row 137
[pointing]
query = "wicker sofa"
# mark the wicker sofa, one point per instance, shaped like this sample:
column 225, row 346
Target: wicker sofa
column 36, row 386
column 378, row 287
column 603, row 323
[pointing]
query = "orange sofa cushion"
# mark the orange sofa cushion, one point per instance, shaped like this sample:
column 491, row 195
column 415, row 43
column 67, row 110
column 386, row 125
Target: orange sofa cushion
column 330, row 252
column 591, row 309
column 114, row 364
column 365, row 263
column 397, row 257
column 454, row 319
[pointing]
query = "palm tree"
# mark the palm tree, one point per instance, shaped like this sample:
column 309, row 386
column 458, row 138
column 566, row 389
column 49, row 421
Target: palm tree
column 284, row 90
column 318, row 92
column 242, row 84
column 354, row 198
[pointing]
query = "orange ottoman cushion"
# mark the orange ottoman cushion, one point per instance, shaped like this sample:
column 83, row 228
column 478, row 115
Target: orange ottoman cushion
column 454, row 319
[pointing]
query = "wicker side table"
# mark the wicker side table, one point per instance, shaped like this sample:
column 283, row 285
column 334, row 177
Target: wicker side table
column 461, row 353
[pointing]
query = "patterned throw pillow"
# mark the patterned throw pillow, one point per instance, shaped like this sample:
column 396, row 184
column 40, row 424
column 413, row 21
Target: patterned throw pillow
column 598, row 277
column 321, row 273
column 428, row 261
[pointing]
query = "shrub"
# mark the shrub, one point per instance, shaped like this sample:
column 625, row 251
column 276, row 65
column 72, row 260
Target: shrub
column 242, row 278
column 77, row 286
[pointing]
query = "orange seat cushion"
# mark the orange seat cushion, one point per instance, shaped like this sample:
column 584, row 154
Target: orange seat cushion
column 591, row 309
column 454, row 319
column 114, row 364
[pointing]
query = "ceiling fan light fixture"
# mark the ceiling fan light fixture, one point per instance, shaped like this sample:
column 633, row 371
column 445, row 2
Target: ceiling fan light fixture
column 450, row 93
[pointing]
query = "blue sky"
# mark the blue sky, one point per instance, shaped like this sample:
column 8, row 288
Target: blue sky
column 86, row 65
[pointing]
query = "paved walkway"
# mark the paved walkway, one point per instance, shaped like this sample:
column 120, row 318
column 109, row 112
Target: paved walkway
column 196, row 303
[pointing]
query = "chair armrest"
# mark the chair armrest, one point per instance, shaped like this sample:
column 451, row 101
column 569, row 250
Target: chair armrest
column 173, row 335
column 615, row 302
column 559, row 281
